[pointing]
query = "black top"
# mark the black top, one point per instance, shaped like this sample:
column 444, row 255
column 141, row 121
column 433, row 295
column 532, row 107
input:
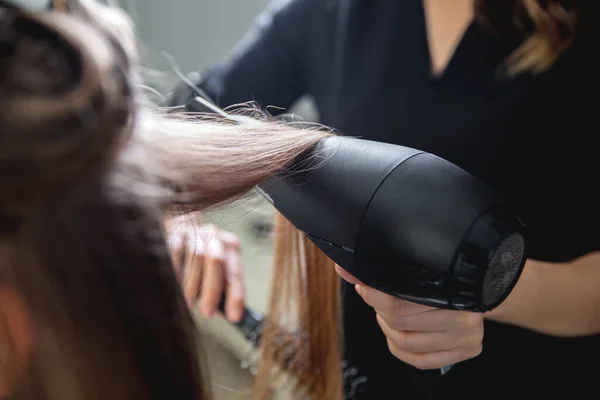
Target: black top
column 366, row 65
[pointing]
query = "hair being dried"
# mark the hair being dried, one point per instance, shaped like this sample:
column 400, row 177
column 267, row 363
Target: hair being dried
column 89, row 170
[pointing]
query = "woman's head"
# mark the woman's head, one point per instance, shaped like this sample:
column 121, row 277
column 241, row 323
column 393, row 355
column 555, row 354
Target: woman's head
column 90, row 306
column 67, row 101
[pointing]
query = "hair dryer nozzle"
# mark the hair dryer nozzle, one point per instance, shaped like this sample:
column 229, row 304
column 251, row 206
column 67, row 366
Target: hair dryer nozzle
column 404, row 221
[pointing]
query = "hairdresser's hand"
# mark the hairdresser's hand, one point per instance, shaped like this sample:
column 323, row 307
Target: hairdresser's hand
column 425, row 337
column 210, row 266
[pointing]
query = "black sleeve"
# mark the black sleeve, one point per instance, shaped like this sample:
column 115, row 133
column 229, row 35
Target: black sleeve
column 267, row 66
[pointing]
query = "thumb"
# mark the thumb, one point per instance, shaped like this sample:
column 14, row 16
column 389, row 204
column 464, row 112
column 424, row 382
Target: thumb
column 347, row 276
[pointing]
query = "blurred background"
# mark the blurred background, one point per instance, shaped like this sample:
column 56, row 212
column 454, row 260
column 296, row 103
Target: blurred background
column 196, row 34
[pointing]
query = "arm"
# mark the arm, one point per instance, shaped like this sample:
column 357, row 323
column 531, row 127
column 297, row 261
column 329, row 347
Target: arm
column 563, row 298
column 266, row 66
column 560, row 299
column 559, row 294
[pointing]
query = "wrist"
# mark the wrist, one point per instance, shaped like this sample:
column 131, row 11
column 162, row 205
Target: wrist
column 521, row 299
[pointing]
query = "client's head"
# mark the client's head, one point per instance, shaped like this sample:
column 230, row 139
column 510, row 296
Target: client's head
column 90, row 306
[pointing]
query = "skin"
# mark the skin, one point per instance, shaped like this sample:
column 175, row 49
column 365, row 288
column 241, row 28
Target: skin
column 16, row 339
column 422, row 336
column 559, row 299
column 212, row 267
column 446, row 23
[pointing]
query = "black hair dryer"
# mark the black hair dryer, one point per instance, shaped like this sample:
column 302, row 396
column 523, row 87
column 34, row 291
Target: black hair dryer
column 404, row 221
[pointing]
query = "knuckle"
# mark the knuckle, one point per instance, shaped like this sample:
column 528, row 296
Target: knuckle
column 402, row 307
column 202, row 233
column 234, row 275
column 366, row 295
column 193, row 260
column 397, row 306
column 214, row 255
column 238, row 301
column 236, row 297
column 478, row 337
column 211, row 294
column 215, row 260
column 422, row 364
column 207, row 228
column 475, row 351
column 231, row 240
column 403, row 342
column 395, row 323
column 473, row 338
column 393, row 349
column 192, row 293
column 176, row 242
column 469, row 320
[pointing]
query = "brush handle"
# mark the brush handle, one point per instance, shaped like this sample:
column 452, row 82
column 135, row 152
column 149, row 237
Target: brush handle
column 444, row 370
column 250, row 325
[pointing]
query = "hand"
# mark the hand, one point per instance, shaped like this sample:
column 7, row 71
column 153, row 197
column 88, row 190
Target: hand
column 209, row 262
column 424, row 337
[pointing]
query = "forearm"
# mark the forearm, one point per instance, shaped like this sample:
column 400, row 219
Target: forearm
column 555, row 299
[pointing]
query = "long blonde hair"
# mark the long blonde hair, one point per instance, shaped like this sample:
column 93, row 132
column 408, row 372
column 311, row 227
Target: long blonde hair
column 547, row 27
column 88, row 170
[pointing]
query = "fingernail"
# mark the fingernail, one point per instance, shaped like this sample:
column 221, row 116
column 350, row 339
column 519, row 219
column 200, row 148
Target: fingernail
column 358, row 289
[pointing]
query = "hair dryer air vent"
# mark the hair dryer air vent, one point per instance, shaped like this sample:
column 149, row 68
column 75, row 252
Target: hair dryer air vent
column 489, row 261
column 504, row 269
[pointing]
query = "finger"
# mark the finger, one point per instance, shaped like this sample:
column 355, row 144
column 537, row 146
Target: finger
column 433, row 360
column 213, row 283
column 234, row 273
column 385, row 303
column 234, row 306
column 347, row 276
column 418, row 342
column 230, row 240
column 191, row 271
column 175, row 242
column 205, row 231
column 432, row 321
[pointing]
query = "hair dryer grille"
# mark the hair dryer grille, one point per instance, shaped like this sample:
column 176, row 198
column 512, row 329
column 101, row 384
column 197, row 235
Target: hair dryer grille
column 503, row 269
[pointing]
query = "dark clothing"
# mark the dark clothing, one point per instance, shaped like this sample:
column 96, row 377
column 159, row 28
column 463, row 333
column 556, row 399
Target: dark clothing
column 366, row 65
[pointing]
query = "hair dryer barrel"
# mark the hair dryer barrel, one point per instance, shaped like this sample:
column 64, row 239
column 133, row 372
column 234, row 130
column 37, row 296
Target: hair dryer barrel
column 404, row 221
column 327, row 191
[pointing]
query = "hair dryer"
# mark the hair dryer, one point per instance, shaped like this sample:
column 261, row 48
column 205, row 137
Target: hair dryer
column 404, row 221
column 401, row 220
